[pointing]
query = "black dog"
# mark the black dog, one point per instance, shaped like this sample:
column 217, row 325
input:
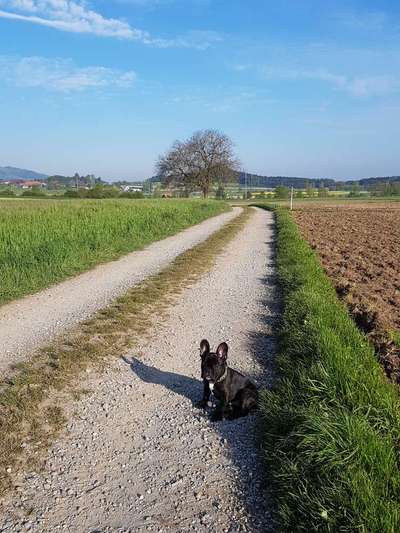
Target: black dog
column 237, row 395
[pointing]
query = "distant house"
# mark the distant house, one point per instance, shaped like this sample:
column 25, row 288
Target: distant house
column 25, row 184
column 133, row 188
column 29, row 184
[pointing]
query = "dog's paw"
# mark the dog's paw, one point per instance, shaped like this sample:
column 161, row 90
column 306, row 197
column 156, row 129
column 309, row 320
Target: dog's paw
column 216, row 417
column 202, row 404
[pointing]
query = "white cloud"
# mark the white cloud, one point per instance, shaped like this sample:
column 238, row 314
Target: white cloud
column 223, row 100
column 75, row 16
column 357, row 86
column 61, row 74
column 200, row 40
column 71, row 16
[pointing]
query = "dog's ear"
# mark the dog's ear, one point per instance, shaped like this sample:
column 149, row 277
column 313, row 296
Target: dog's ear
column 204, row 347
column 222, row 351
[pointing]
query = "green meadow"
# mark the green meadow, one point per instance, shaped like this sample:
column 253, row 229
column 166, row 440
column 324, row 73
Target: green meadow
column 45, row 241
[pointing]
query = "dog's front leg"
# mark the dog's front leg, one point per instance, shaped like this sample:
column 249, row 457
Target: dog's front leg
column 206, row 394
column 219, row 411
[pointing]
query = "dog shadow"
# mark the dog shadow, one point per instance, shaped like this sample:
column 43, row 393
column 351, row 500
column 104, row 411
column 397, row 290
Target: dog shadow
column 179, row 384
column 232, row 432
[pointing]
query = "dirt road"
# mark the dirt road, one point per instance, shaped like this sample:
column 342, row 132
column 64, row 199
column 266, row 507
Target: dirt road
column 137, row 455
column 28, row 323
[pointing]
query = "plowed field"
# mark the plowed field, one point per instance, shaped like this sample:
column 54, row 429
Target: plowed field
column 359, row 248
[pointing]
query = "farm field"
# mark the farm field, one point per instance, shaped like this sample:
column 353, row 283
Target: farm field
column 43, row 242
column 359, row 247
column 331, row 420
column 347, row 203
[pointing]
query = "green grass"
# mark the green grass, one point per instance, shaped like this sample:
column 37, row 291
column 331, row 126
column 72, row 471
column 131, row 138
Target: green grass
column 395, row 336
column 331, row 423
column 43, row 242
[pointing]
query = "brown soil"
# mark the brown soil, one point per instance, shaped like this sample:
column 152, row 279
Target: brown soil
column 359, row 248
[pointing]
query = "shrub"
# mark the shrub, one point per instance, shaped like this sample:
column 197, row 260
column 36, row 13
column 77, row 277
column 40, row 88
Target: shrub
column 136, row 195
column 323, row 192
column 282, row 192
column 35, row 192
column 220, row 193
column 102, row 191
column 72, row 193
column 7, row 193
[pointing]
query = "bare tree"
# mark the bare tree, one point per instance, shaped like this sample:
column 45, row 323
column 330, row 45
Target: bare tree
column 204, row 159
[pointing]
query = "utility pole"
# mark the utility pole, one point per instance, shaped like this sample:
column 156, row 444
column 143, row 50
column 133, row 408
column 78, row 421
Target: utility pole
column 291, row 199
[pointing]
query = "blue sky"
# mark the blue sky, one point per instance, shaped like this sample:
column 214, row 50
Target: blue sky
column 303, row 87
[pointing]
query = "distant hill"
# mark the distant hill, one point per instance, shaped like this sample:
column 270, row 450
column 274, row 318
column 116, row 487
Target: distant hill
column 270, row 182
column 12, row 173
column 367, row 182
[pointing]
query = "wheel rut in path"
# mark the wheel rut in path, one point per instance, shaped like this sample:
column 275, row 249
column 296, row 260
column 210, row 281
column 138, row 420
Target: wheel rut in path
column 137, row 455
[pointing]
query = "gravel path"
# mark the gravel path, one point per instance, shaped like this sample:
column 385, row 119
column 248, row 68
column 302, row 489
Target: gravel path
column 34, row 320
column 137, row 455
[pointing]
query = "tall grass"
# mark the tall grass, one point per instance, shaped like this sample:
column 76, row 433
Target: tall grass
column 331, row 423
column 42, row 242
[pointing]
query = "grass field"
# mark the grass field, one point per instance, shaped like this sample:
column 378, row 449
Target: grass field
column 331, row 423
column 43, row 242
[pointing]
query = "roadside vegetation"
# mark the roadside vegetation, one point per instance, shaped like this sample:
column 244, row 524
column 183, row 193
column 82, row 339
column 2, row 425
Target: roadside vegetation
column 45, row 242
column 32, row 398
column 331, row 423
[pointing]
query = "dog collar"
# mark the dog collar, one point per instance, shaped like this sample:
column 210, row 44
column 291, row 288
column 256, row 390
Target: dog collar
column 223, row 376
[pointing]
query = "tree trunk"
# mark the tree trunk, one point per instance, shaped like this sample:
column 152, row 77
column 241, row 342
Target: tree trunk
column 205, row 192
